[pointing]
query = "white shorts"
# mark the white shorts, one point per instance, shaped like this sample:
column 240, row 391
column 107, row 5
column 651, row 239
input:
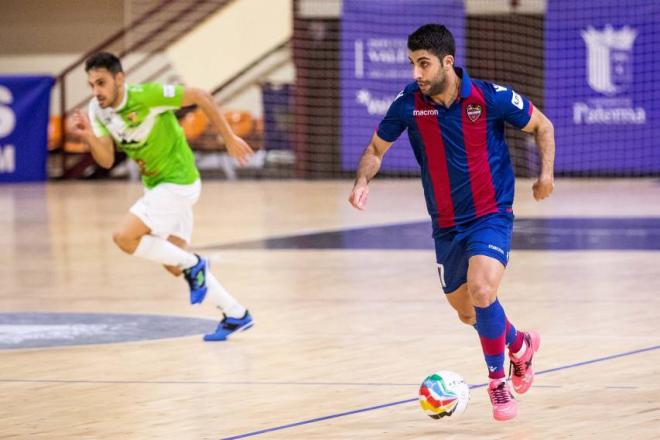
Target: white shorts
column 167, row 209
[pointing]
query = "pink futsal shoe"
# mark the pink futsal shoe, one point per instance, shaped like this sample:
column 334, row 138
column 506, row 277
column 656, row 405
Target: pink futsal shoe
column 523, row 373
column 505, row 406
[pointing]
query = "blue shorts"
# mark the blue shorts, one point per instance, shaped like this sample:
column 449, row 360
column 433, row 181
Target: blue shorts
column 489, row 235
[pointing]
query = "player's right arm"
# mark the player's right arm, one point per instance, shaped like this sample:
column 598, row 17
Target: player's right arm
column 367, row 169
column 101, row 147
column 544, row 133
column 522, row 114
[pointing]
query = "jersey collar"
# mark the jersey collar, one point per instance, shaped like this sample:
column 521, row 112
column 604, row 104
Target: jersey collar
column 466, row 82
column 123, row 100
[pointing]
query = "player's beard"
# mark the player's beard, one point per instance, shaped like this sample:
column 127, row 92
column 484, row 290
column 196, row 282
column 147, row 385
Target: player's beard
column 104, row 101
column 438, row 86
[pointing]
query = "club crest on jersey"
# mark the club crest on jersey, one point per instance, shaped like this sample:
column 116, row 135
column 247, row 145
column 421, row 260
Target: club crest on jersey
column 133, row 117
column 473, row 111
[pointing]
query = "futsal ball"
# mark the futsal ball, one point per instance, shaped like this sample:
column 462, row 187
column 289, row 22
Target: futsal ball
column 444, row 393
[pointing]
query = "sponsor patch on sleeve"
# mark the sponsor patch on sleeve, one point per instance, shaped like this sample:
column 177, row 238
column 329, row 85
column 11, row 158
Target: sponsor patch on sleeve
column 516, row 100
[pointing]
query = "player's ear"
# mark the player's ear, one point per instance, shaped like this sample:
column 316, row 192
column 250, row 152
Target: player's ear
column 448, row 61
column 120, row 77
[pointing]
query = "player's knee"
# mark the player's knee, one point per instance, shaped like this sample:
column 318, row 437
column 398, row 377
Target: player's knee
column 481, row 294
column 124, row 242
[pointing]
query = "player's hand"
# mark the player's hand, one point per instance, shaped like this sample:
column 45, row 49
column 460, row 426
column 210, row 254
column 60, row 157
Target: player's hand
column 239, row 150
column 358, row 197
column 80, row 126
column 543, row 187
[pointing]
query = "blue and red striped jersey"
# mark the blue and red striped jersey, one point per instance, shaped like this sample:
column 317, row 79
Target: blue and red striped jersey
column 464, row 159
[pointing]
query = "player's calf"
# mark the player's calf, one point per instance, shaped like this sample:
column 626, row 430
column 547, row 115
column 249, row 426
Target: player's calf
column 470, row 320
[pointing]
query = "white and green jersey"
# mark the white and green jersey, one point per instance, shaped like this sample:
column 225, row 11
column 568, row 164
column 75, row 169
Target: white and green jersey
column 145, row 128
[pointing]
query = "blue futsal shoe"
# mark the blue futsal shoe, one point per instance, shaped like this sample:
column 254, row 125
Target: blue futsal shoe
column 229, row 326
column 196, row 277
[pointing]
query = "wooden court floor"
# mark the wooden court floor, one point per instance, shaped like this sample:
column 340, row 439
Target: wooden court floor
column 342, row 337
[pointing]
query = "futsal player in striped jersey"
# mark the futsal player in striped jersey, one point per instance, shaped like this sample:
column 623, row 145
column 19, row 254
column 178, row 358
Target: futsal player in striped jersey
column 456, row 128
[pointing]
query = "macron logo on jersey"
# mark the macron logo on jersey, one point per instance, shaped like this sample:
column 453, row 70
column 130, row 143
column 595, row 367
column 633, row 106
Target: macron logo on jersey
column 433, row 112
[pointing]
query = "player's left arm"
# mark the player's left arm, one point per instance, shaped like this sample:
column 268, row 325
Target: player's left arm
column 544, row 133
column 236, row 147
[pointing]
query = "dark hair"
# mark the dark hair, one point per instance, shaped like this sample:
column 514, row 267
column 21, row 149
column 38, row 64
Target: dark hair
column 103, row 60
column 435, row 38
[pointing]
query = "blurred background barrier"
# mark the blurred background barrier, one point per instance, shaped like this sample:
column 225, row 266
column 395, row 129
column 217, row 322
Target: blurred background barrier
column 24, row 103
column 306, row 81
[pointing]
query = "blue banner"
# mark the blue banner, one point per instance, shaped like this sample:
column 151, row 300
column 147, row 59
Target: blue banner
column 602, row 89
column 375, row 67
column 24, row 111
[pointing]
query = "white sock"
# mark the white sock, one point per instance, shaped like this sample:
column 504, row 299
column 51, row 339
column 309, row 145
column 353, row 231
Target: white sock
column 222, row 298
column 162, row 251
column 522, row 350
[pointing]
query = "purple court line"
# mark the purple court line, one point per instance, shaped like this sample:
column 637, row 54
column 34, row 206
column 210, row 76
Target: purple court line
column 203, row 382
column 385, row 405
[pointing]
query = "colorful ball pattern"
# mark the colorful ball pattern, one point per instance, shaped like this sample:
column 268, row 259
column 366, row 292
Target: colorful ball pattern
column 444, row 393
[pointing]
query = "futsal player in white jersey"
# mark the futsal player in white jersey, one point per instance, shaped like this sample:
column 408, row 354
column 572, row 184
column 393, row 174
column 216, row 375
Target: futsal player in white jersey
column 138, row 119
